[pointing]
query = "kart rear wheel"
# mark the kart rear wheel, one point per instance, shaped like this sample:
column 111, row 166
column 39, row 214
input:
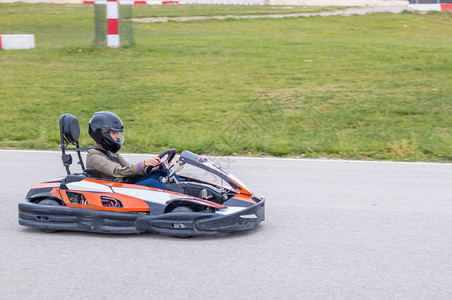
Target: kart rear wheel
column 48, row 201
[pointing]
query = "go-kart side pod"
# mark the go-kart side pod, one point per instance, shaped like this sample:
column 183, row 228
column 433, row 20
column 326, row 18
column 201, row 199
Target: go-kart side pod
column 199, row 223
column 57, row 217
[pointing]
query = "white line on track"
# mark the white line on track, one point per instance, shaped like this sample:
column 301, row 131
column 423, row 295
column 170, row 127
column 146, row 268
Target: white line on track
column 265, row 158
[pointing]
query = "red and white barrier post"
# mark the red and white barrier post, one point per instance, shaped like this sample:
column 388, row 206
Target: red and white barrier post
column 112, row 23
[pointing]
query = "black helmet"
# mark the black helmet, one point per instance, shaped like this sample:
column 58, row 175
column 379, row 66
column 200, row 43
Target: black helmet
column 100, row 126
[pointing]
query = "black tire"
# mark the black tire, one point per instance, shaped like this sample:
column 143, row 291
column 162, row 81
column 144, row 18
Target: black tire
column 183, row 209
column 52, row 202
column 49, row 201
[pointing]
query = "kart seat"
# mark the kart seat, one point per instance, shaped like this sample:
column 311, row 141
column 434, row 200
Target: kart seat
column 69, row 133
column 71, row 128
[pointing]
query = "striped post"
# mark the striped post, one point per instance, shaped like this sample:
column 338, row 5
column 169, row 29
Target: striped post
column 112, row 23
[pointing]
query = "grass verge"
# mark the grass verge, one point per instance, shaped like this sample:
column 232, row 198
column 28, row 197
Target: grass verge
column 359, row 87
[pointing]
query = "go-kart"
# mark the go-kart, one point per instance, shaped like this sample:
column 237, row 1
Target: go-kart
column 190, row 207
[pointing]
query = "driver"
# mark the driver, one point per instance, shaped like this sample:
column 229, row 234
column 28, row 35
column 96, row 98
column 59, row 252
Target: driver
column 107, row 131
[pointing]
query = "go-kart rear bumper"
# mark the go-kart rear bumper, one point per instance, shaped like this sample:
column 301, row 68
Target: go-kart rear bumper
column 180, row 224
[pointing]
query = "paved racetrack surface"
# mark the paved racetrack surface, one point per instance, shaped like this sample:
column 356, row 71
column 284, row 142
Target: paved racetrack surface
column 333, row 230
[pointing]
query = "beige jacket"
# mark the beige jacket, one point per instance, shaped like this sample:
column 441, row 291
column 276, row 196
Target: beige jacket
column 111, row 170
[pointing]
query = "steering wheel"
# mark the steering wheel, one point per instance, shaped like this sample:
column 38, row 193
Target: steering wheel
column 170, row 153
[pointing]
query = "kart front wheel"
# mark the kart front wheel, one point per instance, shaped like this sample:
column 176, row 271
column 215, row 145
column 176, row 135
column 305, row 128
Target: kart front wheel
column 52, row 202
column 183, row 209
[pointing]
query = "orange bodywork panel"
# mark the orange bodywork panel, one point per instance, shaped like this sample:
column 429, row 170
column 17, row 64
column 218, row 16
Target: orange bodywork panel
column 46, row 185
column 94, row 201
column 56, row 192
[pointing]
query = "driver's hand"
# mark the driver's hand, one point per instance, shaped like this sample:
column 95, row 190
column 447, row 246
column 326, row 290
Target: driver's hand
column 152, row 162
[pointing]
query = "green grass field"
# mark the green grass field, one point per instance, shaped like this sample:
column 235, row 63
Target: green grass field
column 359, row 87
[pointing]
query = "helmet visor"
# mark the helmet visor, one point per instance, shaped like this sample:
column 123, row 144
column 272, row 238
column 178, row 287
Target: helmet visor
column 121, row 137
column 117, row 136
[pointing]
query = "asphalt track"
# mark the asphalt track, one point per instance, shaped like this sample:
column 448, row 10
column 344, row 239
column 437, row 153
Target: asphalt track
column 334, row 230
